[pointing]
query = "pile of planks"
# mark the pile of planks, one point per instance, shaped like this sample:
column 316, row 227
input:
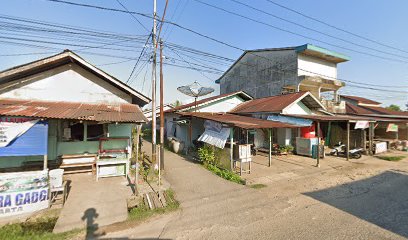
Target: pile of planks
column 156, row 200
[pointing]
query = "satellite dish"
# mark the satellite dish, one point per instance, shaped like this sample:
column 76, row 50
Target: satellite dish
column 195, row 90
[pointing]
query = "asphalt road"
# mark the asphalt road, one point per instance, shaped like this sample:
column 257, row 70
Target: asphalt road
column 351, row 203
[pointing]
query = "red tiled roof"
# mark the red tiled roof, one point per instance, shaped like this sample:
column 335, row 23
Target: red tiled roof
column 238, row 121
column 360, row 99
column 205, row 100
column 268, row 104
column 70, row 110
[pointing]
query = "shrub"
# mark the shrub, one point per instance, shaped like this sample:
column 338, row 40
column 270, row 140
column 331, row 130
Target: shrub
column 228, row 175
column 206, row 154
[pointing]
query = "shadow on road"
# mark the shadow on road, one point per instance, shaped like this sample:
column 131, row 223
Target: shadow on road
column 381, row 200
column 90, row 215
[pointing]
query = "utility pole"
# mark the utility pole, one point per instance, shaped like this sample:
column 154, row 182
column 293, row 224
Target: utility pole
column 161, row 108
column 154, row 157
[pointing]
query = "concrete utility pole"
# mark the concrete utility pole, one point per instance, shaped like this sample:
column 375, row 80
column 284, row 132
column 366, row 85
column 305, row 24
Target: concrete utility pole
column 161, row 108
column 154, row 157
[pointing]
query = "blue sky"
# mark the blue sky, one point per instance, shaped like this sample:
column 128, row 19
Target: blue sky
column 382, row 21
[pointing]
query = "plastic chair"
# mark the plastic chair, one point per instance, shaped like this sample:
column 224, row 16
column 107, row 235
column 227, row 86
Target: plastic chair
column 57, row 185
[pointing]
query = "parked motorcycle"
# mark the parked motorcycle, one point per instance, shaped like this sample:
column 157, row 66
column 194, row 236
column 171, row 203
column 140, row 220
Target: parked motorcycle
column 341, row 151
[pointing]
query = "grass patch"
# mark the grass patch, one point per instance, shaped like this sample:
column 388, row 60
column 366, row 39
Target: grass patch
column 257, row 186
column 228, row 175
column 391, row 158
column 143, row 212
column 34, row 230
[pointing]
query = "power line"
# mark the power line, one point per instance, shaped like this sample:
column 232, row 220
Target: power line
column 174, row 24
column 314, row 30
column 298, row 34
column 141, row 24
column 337, row 28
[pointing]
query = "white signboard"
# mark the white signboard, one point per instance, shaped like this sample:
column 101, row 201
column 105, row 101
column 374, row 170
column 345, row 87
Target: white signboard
column 23, row 192
column 13, row 127
column 361, row 125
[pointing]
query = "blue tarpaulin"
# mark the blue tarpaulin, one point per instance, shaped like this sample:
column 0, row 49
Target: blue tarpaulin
column 33, row 142
column 291, row 120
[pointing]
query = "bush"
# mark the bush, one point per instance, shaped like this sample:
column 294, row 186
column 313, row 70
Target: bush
column 287, row 148
column 228, row 175
column 206, row 154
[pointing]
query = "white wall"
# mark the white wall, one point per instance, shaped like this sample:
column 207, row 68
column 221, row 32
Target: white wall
column 225, row 105
column 298, row 108
column 316, row 65
column 66, row 83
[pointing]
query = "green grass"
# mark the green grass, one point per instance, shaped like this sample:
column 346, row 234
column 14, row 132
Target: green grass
column 40, row 229
column 257, row 186
column 226, row 174
column 391, row 158
column 143, row 212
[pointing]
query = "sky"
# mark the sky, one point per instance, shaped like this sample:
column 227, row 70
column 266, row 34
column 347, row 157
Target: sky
column 370, row 64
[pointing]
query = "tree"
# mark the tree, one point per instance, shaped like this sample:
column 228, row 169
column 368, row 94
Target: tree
column 394, row 107
column 177, row 103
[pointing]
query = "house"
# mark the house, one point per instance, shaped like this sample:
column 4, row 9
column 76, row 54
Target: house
column 272, row 71
column 74, row 104
column 392, row 125
column 180, row 128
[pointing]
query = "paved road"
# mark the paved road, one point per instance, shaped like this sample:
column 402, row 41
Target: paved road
column 212, row 208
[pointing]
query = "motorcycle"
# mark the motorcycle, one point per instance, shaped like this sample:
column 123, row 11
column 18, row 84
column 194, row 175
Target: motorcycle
column 340, row 151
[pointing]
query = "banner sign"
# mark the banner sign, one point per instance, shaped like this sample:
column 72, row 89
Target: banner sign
column 392, row 127
column 23, row 192
column 13, row 127
column 214, row 134
column 361, row 125
column 298, row 121
column 23, row 136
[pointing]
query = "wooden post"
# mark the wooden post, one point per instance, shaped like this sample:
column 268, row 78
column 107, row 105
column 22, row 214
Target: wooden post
column 45, row 161
column 370, row 139
column 270, row 146
column 348, row 141
column 138, row 130
column 318, row 144
column 232, row 148
column 364, row 141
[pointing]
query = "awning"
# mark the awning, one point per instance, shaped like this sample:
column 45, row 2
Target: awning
column 291, row 120
column 238, row 120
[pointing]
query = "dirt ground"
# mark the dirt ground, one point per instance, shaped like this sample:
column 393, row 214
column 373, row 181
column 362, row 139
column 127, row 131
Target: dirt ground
column 360, row 199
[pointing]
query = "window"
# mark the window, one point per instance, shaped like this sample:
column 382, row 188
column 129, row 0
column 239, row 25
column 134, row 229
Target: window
column 95, row 131
column 72, row 131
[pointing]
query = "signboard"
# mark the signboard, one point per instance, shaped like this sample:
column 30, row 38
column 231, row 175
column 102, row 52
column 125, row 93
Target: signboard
column 392, row 127
column 214, row 134
column 23, row 136
column 361, row 125
column 380, row 147
column 13, row 127
column 23, row 192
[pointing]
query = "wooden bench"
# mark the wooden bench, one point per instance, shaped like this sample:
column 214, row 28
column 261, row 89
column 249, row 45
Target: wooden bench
column 78, row 163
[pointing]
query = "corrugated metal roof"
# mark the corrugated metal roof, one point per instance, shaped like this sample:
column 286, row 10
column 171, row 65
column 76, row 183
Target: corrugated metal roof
column 238, row 121
column 273, row 104
column 209, row 99
column 360, row 99
column 69, row 110
column 378, row 111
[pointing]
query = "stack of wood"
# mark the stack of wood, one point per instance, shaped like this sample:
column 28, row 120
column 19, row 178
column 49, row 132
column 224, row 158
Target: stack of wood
column 156, row 200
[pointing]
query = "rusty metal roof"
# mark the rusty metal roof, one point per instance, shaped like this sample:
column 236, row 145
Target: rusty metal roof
column 361, row 99
column 275, row 104
column 126, row 112
column 238, row 121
